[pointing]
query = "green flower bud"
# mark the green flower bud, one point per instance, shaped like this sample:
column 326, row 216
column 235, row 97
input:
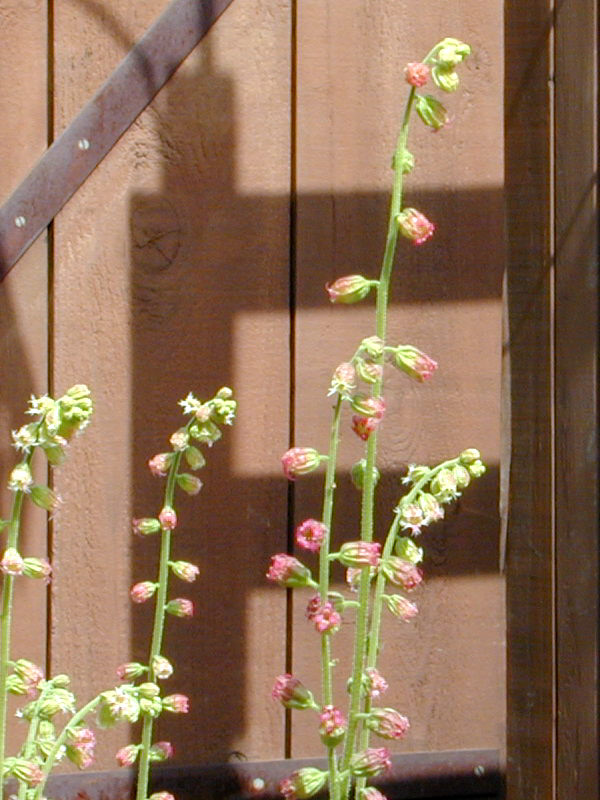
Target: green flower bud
column 462, row 476
column 445, row 78
column 189, row 483
column 477, row 469
column 469, row 456
column 194, row 457
column 358, row 474
column 150, row 707
column 45, row 498
column 431, row 111
column 372, row 346
column 408, row 550
column 443, row 486
column 148, row 690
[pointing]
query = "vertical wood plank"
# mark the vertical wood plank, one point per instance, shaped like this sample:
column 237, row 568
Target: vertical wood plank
column 23, row 294
column 446, row 670
column 530, row 552
column 172, row 277
column 576, row 135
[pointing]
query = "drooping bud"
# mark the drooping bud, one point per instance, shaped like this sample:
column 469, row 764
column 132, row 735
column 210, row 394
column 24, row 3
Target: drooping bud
column 370, row 762
column 189, row 483
column 430, row 507
column 349, row 289
column 402, row 573
column 127, row 755
column 401, row 607
column 462, row 476
column 432, row 112
column 145, row 526
column 140, row 592
column 45, row 498
column 160, row 463
column 194, row 457
column 161, row 751
column 469, row 456
column 300, row 461
column 368, row 406
column 360, row 554
column 326, row 619
column 387, row 723
column 414, row 225
column 292, row 693
column 180, row 607
column 288, row 571
column 406, row 548
column 161, row 796
column 176, row 703
column 368, row 371
column 445, row 78
column 371, row 793
column 38, row 568
column 363, row 427
column 302, row 784
column 81, row 743
column 416, row 73
column 131, row 670
column 311, row 534
column 443, row 486
column 185, row 571
column 24, row 770
column 413, row 362
column 30, row 673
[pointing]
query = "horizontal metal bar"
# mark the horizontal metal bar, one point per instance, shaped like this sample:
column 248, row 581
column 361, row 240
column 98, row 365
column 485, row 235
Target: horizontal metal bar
column 451, row 774
column 100, row 124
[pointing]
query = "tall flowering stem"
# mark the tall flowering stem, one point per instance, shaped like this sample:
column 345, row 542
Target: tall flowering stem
column 203, row 426
column 372, row 567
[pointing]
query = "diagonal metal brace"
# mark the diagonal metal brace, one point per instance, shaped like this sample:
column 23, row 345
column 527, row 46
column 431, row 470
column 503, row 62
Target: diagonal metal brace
column 99, row 125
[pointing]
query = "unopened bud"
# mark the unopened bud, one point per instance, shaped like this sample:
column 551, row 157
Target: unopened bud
column 189, row 483
column 349, row 289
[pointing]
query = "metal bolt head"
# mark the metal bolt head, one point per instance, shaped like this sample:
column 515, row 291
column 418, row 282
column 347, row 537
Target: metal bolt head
column 83, row 144
column 20, row 221
column 479, row 770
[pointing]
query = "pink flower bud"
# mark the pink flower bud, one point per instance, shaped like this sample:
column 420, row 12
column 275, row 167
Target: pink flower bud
column 130, row 671
column 371, row 793
column 168, row 518
column 401, row 572
column 311, row 534
column 363, row 427
column 414, row 225
column 176, row 703
column 360, row 554
column 127, row 755
column 180, row 607
column 401, row 607
column 38, row 568
column 370, row 762
column 145, row 526
column 369, row 406
column 416, row 73
column 179, row 440
column 30, row 673
column 387, row 723
column 288, row 571
column 299, row 461
column 25, row 771
column 303, row 783
column 81, row 743
column 143, row 591
column 368, row 371
column 416, row 364
column 313, row 605
column 185, row 571
column 160, row 463
column 12, row 563
column 349, row 289
column 333, row 725
column 343, row 379
column 161, row 751
column 161, row 796
column 376, row 683
column 291, row 693
column 326, row 618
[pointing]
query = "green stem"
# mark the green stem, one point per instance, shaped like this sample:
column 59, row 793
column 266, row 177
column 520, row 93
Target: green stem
column 324, row 567
column 367, row 507
column 157, row 631
column 6, row 614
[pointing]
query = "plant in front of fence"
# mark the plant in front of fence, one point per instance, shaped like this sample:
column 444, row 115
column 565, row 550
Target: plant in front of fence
column 380, row 575
column 48, row 738
column 203, row 427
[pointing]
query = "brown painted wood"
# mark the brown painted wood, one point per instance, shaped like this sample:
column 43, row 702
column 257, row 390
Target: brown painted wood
column 23, row 298
column 577, row 622
column 446, row 670
column 530, row 549
column 171, row 276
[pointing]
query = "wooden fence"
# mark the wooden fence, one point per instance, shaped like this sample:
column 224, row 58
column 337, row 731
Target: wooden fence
column 195, row 255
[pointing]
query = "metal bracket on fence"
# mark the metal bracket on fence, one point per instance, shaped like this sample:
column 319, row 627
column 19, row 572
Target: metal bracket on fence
column 100, row 124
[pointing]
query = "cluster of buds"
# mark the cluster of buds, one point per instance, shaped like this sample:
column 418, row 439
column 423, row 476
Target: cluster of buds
column 25, row 678
column 13, row 563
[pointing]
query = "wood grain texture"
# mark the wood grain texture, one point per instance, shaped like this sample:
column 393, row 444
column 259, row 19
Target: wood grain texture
column 23, row 297
column 577, row 400
column 172, row 276
column 447, row 670
column 530, row 551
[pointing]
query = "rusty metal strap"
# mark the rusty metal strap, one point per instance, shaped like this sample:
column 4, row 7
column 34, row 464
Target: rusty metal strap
column 100, row 124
